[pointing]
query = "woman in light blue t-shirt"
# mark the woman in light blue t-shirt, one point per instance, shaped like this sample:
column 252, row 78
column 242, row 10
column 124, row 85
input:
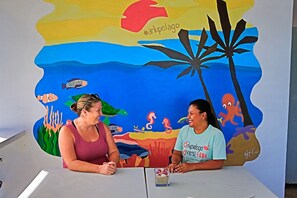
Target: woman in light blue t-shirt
column 199, row 145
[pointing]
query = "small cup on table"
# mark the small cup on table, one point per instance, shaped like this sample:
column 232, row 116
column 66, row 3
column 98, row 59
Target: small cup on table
column 162, row 176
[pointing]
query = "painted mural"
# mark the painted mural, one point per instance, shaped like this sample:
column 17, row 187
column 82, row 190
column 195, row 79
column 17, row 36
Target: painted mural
column 147, row 60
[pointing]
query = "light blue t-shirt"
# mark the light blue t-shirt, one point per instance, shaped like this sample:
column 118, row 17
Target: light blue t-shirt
column 209, row 145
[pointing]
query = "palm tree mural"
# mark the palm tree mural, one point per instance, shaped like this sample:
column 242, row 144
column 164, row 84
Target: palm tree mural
column 228, row 49
column 194, row 62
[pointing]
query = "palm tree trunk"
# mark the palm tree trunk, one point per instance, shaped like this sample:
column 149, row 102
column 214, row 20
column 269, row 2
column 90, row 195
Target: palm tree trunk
column 246, row 116
column 208, row 99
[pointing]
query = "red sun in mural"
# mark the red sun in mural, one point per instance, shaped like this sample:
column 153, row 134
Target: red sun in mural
column 139, row 13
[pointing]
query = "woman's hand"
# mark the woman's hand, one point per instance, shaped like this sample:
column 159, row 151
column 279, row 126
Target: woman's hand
column 182, row 168
column 107, row 168
column 171, row 167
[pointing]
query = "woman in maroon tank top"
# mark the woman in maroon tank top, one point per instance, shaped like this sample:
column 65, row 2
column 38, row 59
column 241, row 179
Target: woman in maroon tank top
column 86, row 143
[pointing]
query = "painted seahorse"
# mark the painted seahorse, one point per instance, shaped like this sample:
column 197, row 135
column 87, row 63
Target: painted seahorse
column 151, row 118
column 166, row 123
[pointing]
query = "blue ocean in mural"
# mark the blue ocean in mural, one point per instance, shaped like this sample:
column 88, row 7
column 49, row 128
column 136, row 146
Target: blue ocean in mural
column 137, row 89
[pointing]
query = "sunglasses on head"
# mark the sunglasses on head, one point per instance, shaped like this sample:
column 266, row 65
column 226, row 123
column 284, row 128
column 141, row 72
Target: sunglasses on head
column 91, row 98
column 95, row 97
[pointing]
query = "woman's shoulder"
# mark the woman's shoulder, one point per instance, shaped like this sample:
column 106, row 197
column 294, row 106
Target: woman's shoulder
column 215, row 130
column 67, row 128
column 66, row 133
column 185, row 129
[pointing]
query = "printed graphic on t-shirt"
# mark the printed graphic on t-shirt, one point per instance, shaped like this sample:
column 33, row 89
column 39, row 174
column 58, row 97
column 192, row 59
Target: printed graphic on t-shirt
column 194, row 152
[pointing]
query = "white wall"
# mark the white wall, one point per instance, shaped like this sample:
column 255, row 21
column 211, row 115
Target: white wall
column 20, row 43
column 273, row 18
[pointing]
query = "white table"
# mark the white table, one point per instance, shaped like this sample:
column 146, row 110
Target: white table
column 229, row 182
column 127, row 182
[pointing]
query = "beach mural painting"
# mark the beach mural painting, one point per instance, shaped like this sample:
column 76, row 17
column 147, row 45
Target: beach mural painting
column 147, row 60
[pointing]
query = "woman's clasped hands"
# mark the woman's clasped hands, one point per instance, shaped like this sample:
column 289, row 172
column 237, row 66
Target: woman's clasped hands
column 108, row 168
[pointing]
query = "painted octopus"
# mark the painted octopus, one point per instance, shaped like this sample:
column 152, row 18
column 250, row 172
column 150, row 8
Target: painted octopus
column 228, row 102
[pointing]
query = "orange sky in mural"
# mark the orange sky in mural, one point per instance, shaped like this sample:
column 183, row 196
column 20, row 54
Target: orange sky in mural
column 108, row 21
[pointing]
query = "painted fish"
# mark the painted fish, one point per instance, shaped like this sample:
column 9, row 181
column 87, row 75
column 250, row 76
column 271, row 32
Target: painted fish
column 183, row 120
column 114, row 129
column 74, row 83
column 49, row 97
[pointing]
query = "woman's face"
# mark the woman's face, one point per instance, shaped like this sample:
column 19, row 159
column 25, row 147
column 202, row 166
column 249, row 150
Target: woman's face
column 195, row 117
column 93, row 115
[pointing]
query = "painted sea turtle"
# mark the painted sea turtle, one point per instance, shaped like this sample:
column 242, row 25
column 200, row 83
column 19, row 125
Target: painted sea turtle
column 110, row 111
column 107, row 109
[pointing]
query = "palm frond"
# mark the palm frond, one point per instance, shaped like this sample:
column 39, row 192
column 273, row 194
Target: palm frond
column 214, row 33
column 246, row 39
column 204, row 66
column 184, row 39
column 193, row 71
column 209, row 50
column 217, row 49
column 169, row 52
column 240, row 27
column 165, row 64
column 220, row 50
column 203, row 39
column 240, row 50
column 185, row 72
column 212, row 58
column 224, row 19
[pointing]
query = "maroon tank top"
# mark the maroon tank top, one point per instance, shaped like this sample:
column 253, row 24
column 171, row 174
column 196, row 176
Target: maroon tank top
column 93, row 152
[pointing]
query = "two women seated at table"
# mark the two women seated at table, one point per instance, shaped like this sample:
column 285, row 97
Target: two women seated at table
column 86, row 144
